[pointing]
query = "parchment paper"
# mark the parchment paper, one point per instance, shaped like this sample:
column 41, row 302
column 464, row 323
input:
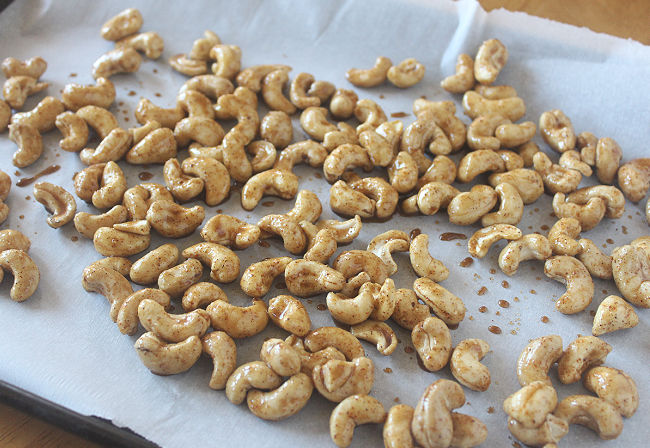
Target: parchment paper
column 61, row 343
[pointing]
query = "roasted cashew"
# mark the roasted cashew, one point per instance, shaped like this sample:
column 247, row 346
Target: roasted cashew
column 202, row 130
column 223, row 262
column 536, row 359
column 223, row 351
column 289, row 314
column 120, row 264
column 571, row 160
column 148, row 268
column 351, row 262
column 481, row 133
column 138, row 199
column 42, row 117
column 594, row 413
column 630, row 271
column 228, row 60
column 323, row 90
column 580, row 286
column 195, row 104
column 272, row 86
column 188, row 66
column 480, row 242
column 403, row 172
column 23, row 269
column 512, row 135
column 5, row 115
column 282, row 402
column 280, row 356
column 380, row 149
column 338, row 338
column 283, row 184
column 397, row 428
column 529, row 183
column 383, row 245
column 74, row 130
column 443, row 303
column 277, row 129
column 202, row 294
column 422, row 133
column 490, row 59
column 615, row 387
column 119, row 60
column 406, row 74
column 101, row 120
column 264, row 155
column 343, row 158
column 87, row 224
column 306, row 208
column 344, row 231
column 76, row 96
column 475, row 105
column 114, row 242
column 147, row 111
column 182, row 186
column 556, row 178
column 444, row 114
column 127, row 316
column 562, row 237
column 431, row 197
column 17, row 88
column 370, row 77
column 157, row 147
column 298, row 91
column 212, row 86
column 511, row 207
column 321, row 243
column 112, row 187
column 423, row 263
column 172, row 327
column 230, row 231
column 252, row 375
column 149, row 43
column 216, row 179
column 295, row 240
column 432, row 341
column 307, row 278
column 13, row 239
column 584, row 352
column 378, row 333
column 343, row 103
column 548, row 433
column 34, row 67
column 176, row 280
column 597, row 263
column 57, row 201
column 353, row 411
column 336, row 380
column 238, row 321
column 634, row 178
column 531, row 404
column 468, row 207
column 382, row 193
column 613, row 314
column 557, row 131
column 432, row 424
column 588, row 215
column 123, row 24
column 529, row 247
column 613, row 197
column 307, row 151
column 495, row 92
column 346, row 201
column 463, row 79
column 107, row 282
column 258, row 277
column 310, row 360
column 167, row 359
column 466, row 367
column 408, row 311
column 172, row 220
column 252, row 77
column 112, row 148
column 370, row 114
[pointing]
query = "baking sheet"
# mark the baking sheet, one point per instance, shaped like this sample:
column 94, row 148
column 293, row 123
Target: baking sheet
column 61, row 343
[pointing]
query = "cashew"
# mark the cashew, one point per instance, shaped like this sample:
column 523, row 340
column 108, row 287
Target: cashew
column 343, row 103
column 172, row 220
column 147, row 269
column 432, row 424
column 76, row 96
column 378, row 333
column 406, row 74
column 336, row 380
column 112, row 148
column 29, row 142
column 23, row 269
column 252, row 77
column 147, row 111
column 549, row 432
column 443, row 303
column 13, row 239
column 463, row 79
column 353, row 411
column 613, row 197
column 481, row 133
column 579, row 355
column 588, row 215
column 306, row 208
column 528, row 247
column 431, row 197
column 475, row 105
column 480, row 242
column 495, row 92
column 195, row 104
column 397, row 429
column 138, row 199
column 344, row 231
column 613, row 314
column 310, row 360
column 615, row 387
column 529, row 183
column 370, row 114
column 465, row 365
column 43, row 116
column 511, row 207
column 468, row 431
column 343, row 158
column 112, row 188
column 119, row 60
column 170, row 327
column 408, row 311
column 264, row 155
column 282, row 402
column 423, row 263
column 127, row 316
column 351, row 262
column 307, row 278
column 295, row 240
column 537, row 358
column 370, row 77
column 306, row 151
column 444, row 114
column 557, row 131
column 527, row 151
column 74, row 130
column 167, row 359
column 283, row 184
column 201, row 294
column 289, row 314
column 403, row 172
column 597, row 263
column 228, row 59
column 123, row 24
column 421, row 133
column 384, row 244
column 87, row 224
column 531, row 404
column 230, row 231
column 119, row 264
column 157, row 147
column 322, row 90
column 467, row 208
column 556, row 178
column 107, row 282
column 176, row 280
column 298, row 91
column 338, row 338
column 562, row 237
column 34, row 67
column 182, row 186
column 223, row 262
column 380, row 149
column 212, row 86
column 511, row 135
column 432, row 341
column 149, row 43
column 114, row 242
column 57, row 201
column 383, row 195
column 5, row 115
column 580, row 286
column 592, row 412
column 491, row 57
column 221, row 348
column 634, row 178
column 236, row 321
column 188, row 66
column 215, row 178
column 280, row 356
column 252, row 375
column 17, row 88
column 272, row 85
column 346, row 201
column 258, row 277
column 321, row 243
column 571, row 160
column 203, row 130
column 586, row 142
column 277, row 129
column 629, row 268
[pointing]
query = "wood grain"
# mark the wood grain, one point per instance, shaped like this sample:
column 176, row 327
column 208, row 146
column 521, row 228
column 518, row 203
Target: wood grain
column 627, row 19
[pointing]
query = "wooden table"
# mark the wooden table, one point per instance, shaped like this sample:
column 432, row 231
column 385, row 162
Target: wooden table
column 629, row 19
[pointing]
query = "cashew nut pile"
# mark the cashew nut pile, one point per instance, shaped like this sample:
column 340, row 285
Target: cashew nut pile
column 425, row 173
